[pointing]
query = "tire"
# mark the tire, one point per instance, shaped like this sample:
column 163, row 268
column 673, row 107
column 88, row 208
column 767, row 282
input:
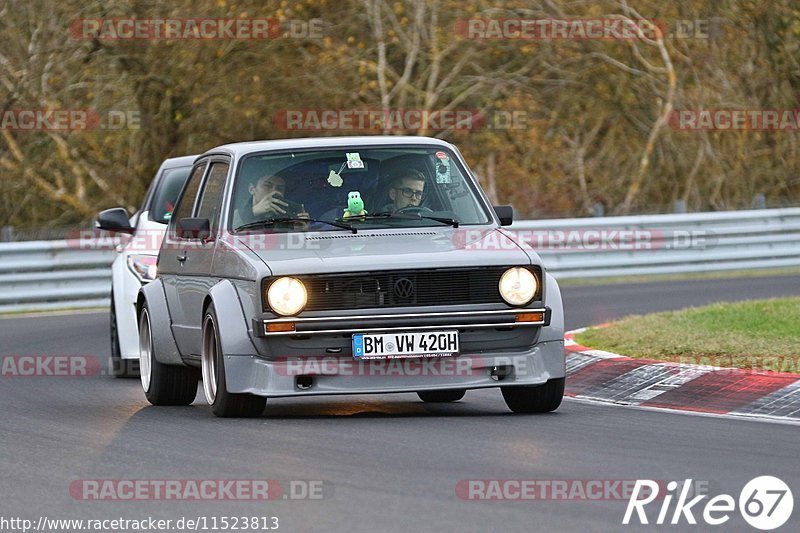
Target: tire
column 441, row 396
column 119, row 367
column 535, row 398
column 162, row 384
column 223, row 403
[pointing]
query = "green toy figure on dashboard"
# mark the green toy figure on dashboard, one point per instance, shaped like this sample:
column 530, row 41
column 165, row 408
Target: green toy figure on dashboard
column 355, row 205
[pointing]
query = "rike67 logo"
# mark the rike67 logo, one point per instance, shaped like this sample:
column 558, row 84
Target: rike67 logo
column 765, row 503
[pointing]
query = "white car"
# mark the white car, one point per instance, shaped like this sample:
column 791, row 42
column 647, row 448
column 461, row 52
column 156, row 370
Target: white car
column 137, row 253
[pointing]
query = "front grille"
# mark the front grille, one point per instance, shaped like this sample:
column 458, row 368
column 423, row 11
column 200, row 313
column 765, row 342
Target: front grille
column 400, row 288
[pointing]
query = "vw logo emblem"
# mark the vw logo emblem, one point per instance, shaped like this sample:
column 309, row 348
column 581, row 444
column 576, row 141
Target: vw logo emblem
column 404, row 288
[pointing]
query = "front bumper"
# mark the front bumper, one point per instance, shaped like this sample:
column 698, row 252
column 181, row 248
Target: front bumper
column 327, row 375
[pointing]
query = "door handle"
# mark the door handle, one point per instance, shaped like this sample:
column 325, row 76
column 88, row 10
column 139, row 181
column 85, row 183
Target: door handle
column 182, row 258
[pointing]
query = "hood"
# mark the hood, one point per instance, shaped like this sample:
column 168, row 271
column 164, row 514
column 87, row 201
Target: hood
column 407, row 248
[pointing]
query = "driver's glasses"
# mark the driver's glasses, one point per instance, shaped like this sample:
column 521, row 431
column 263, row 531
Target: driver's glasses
column 411, row 193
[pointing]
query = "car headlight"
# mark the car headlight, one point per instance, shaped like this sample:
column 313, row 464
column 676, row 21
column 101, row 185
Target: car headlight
column 518, row 286
column 143, row 266
column 287, row 296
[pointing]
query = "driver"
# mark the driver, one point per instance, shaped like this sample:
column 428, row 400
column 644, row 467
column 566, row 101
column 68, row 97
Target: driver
column 407, row 190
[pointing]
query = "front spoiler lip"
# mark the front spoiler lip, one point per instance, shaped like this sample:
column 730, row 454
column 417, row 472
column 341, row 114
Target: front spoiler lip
column 533, row 365
column 503, row 318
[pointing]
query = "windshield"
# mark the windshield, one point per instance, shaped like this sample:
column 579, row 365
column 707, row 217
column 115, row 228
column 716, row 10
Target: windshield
column 364, row 187
column 169, row 187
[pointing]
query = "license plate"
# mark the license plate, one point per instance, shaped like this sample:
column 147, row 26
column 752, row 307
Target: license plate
column 401, row 345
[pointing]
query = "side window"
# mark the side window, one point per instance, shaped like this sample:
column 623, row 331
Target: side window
column 211, row 197
column 164, row 198
column 186, row 203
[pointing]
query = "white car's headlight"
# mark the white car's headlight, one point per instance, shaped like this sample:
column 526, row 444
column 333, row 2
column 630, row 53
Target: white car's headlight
column 143, row 266
column 287, row 296
column 518, row 286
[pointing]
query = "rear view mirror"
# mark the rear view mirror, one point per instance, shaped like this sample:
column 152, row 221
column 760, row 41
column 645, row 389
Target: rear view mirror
column 194, row 228
column 505, row 213
column 115, row 219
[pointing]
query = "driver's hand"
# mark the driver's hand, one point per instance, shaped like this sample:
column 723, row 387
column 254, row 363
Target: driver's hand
column 271, row 203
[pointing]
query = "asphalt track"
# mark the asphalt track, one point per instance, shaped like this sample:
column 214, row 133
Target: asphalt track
column 386, row 463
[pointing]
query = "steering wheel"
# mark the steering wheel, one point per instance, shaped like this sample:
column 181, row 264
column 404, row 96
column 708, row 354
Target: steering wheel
column 415, row 210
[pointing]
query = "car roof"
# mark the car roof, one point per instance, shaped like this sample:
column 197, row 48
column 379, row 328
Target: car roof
column 183, row 161
column 241, row 148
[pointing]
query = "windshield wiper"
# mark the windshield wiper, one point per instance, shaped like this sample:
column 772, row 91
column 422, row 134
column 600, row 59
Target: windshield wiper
column 272, row 221
column 407, row 216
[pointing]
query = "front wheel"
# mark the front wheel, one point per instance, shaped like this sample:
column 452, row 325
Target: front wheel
column 162, row 384
column 223, row 403
column 441, row 396
column 535, row 398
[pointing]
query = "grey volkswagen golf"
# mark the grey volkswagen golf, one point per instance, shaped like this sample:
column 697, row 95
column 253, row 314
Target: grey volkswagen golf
column 345, row 265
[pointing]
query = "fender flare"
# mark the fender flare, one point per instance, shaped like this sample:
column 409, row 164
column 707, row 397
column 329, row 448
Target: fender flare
column 231, row 323
column 555, row 331
column 165, row 348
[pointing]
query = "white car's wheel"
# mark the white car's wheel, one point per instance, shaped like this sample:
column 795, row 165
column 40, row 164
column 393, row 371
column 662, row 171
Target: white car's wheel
column 162, row 384
column 222, row 402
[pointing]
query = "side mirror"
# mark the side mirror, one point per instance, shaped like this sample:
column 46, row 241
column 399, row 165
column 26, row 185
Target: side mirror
column 505, row 213
column 115, row 220
column 194, row 228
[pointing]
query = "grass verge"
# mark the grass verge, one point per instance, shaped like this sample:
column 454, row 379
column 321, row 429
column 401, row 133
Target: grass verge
column 756, row 335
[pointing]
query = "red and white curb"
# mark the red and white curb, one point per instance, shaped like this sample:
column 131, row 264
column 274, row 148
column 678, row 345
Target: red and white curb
column 609, row 377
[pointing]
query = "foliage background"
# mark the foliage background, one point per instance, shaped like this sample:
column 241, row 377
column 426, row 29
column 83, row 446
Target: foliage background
column 595, row 130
